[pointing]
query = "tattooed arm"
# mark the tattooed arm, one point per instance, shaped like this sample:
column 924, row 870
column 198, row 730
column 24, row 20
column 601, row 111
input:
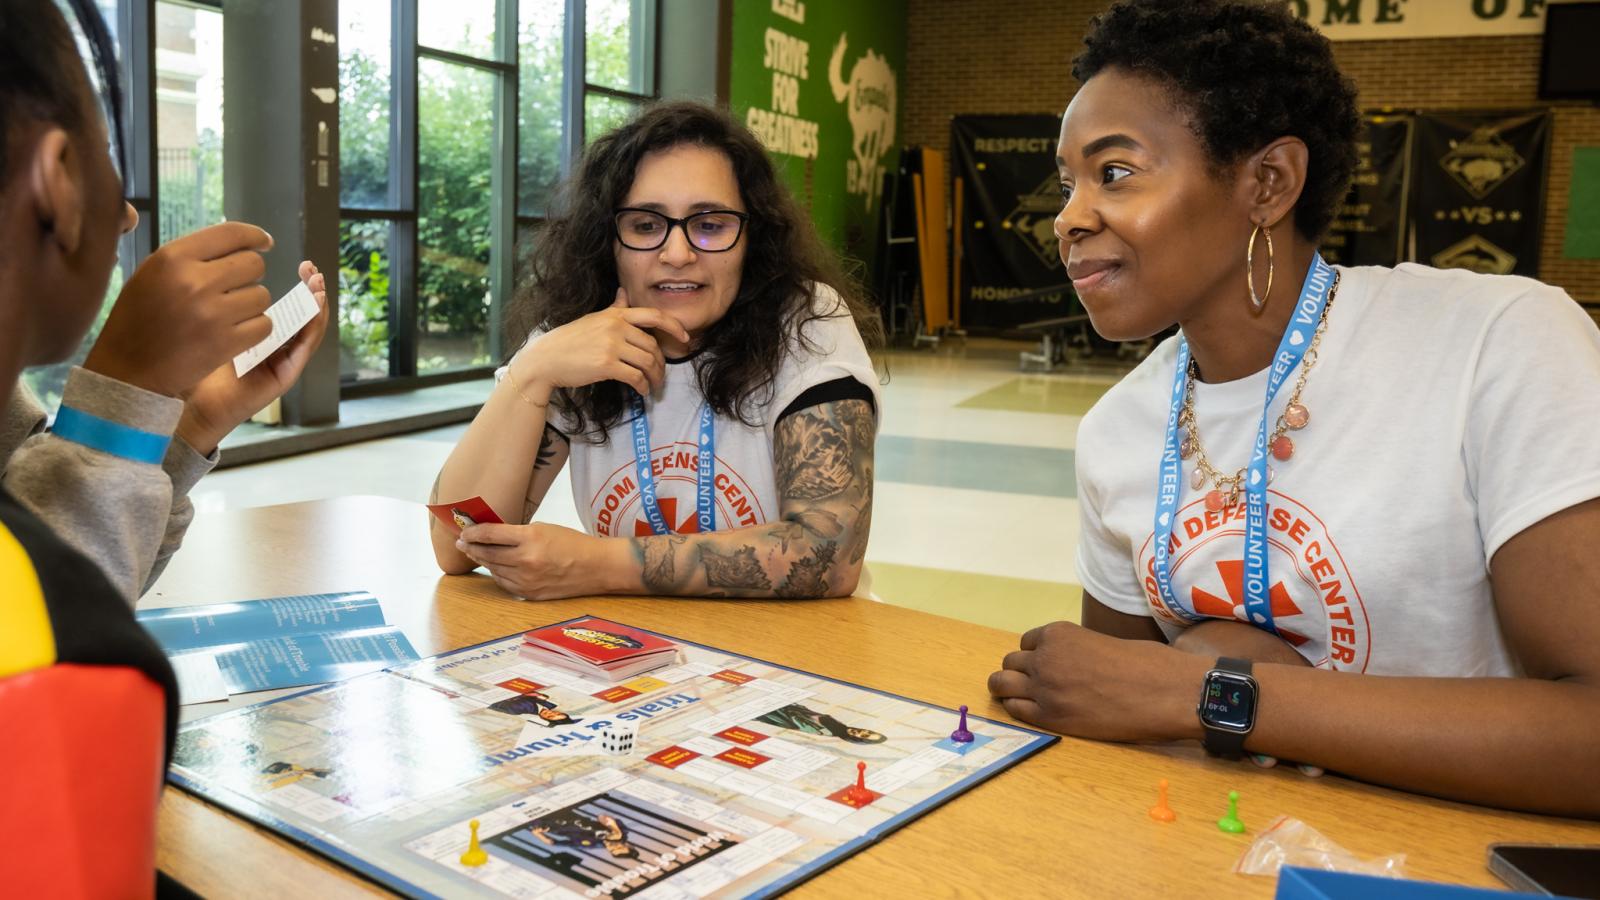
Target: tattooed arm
column 823, row 461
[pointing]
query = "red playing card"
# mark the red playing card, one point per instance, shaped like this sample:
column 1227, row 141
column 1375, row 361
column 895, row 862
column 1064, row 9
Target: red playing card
column 458, row 515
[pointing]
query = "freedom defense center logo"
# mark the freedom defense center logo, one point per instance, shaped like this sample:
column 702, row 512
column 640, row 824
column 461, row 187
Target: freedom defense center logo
column 1314, row 601
column 602, row 638
column 617, row 512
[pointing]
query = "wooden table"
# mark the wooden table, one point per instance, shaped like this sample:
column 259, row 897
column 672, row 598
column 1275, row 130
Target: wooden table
column 1070, row 821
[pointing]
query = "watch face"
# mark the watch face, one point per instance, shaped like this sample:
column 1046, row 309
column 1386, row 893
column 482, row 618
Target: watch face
column 1229, row 702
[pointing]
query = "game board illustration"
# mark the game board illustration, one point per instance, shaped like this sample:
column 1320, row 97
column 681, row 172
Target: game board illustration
column 482, row 771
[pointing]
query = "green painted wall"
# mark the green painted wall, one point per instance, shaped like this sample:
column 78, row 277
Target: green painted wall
column 832, row 129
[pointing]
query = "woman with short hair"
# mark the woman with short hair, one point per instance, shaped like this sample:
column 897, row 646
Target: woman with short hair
column 1331, row 474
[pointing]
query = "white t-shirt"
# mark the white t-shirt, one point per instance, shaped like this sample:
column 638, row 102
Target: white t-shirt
column 605, row 484
column 1449, row 411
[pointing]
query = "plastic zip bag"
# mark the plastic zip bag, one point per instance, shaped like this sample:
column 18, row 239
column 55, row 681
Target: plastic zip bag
column 1291, row 842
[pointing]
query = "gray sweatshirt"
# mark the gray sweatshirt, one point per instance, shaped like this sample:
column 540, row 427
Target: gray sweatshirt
column 127, row 516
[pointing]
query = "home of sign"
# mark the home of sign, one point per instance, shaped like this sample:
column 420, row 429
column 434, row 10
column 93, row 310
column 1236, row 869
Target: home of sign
column 1367, row 20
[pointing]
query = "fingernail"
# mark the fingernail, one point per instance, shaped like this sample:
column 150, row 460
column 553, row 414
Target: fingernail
column 461, row 545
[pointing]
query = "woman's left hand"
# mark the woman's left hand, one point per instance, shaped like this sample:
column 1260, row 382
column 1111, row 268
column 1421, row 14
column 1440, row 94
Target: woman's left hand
column 1082, row 683
column 536, row 561
column 1222, row 637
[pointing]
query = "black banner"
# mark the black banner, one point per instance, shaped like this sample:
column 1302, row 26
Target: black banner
column 1370, row 228
column 1479, row 190
column 1009, row 200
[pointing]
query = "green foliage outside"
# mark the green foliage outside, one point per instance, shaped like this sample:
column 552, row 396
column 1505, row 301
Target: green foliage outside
column 456, row 140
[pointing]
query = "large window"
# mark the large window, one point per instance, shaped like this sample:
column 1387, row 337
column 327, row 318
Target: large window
column 457, row 120
column 188, row 117
column 619, row 62
column 455, row 128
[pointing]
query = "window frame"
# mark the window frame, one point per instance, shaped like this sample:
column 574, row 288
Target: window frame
column 505, row 220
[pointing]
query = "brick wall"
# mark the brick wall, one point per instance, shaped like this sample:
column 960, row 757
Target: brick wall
column 1014, row 56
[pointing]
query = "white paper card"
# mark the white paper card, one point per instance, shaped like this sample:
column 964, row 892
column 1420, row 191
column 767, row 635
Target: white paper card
column 199, row 678
column 290, row 314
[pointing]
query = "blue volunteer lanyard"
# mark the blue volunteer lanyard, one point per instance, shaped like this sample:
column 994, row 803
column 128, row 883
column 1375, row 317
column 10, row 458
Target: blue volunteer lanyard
column 1291, row 349
column 705, row 478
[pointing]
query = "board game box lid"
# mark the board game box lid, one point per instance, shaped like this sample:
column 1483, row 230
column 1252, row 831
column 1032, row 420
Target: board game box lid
column 598, row 642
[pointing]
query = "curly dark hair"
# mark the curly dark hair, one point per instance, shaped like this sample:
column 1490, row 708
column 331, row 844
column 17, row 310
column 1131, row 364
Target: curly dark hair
column 574, row 272
column 1248, row 73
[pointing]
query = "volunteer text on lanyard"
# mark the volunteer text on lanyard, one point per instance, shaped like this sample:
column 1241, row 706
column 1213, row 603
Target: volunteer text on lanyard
column 704, row 497
column 1292, row 347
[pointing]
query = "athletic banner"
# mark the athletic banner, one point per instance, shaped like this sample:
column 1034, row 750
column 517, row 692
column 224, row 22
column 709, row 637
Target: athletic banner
column 1478, row 200
column 1370, row 228
column 1008, row 199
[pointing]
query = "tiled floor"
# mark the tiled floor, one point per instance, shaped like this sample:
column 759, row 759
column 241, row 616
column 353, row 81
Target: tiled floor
column 976, row 508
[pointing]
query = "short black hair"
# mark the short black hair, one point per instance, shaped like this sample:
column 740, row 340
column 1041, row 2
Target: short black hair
column 38, row 69
column 1248, row 73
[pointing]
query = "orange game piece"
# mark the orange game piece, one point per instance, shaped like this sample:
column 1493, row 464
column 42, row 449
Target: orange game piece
column 1161, row 812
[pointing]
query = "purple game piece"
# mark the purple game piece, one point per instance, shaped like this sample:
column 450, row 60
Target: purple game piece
column 961, row 735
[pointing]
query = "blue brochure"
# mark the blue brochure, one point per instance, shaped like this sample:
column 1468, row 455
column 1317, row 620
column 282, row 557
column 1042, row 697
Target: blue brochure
column 318, row 658
column 281, row 642
column 195, row 627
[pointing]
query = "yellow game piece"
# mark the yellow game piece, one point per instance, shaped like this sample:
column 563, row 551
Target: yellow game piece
column 474, row 855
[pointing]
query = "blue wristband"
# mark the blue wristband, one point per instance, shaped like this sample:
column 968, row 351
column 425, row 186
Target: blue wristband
column 110, row 437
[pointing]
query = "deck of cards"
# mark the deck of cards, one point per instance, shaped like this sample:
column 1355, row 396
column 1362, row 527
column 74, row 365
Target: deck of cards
column 458, row 515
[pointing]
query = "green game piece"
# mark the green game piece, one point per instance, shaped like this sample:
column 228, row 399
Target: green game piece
column 1230, row 822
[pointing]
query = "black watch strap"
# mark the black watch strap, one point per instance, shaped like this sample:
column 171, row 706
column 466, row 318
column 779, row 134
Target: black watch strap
column 1220, row 741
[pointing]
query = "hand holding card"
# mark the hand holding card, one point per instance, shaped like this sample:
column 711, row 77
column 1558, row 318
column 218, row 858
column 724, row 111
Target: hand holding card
column 471, row 511
column 290, row 314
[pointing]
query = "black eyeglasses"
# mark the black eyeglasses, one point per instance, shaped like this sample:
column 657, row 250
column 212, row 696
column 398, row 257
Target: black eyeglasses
column 712, row 231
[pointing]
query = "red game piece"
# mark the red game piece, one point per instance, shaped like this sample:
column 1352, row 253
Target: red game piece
column 858, row 794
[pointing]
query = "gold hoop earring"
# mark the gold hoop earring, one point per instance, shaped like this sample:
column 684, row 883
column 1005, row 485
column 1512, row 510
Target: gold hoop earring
column 1250, row 268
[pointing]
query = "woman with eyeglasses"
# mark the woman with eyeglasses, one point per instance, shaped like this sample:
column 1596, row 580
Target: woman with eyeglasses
column 699, row 362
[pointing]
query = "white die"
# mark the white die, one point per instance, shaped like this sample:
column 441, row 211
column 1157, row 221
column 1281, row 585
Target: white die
column 616, row 738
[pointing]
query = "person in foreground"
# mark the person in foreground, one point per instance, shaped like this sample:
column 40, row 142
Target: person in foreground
column 68, row 638
column 700, row 362
column 1390, row 573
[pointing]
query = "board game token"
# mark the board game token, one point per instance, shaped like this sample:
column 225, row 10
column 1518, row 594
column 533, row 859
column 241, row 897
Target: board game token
column 1161, row 812
column 616, row 739
column 1230, row 822
column 859, row 792
column 474, row 855
column 961, row 735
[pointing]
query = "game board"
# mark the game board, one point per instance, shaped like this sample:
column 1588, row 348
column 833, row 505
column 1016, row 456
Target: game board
column 741, row 782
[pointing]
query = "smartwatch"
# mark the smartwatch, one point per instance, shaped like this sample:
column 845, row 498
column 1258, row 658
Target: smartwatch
column 1228, row 707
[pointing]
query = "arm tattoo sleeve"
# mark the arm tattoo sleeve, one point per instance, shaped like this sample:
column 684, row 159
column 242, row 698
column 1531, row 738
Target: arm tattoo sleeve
column 739, row 569
column 658, row 559
column 818, row 464
column 808, row 576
